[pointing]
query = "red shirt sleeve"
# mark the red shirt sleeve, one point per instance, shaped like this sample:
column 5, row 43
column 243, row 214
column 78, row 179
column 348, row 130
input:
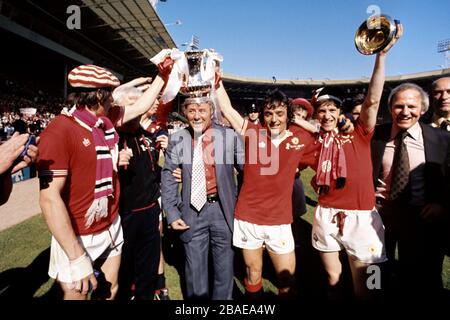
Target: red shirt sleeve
column 362, row 132
column 54, row 155
column 311, row 151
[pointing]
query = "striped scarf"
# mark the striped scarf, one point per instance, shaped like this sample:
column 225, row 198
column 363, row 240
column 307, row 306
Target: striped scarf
column 105, row 140
column 332, row 166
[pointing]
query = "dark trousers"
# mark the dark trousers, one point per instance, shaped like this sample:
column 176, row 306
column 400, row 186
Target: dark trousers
column 140, row 253
column 417, row 271
column 211, row 234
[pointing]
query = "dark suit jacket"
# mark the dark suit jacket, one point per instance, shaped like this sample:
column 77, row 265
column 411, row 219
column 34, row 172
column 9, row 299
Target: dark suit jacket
column 435, row 145
column 228, row 154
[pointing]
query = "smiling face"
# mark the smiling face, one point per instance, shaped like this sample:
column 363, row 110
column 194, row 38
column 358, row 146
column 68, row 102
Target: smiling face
column 199, row 116
column 406, row 108
column 276, row 118
column 328, row 115
column 441, row 97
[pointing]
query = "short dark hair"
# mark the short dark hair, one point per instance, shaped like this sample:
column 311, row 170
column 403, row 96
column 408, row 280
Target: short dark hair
column 275, row 98
column 89, row 98
column 350, row 102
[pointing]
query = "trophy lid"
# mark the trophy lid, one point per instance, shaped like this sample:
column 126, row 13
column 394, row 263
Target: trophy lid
column 374, row 34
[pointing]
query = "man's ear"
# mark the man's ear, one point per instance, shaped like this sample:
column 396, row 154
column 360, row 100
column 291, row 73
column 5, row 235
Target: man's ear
column 212, row 110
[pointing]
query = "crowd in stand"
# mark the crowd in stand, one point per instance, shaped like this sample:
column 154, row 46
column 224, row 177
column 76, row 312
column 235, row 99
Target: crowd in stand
column 24, row 109
column 32, row 116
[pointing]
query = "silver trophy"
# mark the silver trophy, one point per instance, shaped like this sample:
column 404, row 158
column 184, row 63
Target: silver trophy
column 201, row 65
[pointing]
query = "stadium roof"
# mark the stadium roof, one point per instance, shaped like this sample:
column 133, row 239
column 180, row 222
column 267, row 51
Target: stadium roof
column 119, row 34
column 134, row 21
column 123, row 34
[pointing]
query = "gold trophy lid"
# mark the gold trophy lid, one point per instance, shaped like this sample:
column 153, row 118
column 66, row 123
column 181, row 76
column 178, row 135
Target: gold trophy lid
column 374, row 34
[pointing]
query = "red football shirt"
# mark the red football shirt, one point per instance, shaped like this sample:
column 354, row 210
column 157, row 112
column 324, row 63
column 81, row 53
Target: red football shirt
column 66, row 149
column 358, row 192
column 269, row 171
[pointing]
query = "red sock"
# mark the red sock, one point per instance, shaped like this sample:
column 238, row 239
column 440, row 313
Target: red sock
column 252, row 287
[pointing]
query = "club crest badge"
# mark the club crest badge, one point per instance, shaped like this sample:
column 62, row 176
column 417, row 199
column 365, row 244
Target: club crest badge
column 86, row 142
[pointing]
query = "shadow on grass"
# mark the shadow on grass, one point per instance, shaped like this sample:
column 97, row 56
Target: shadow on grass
column 311, row 202
column 310, row 278
column 173, row 252
column 23, row 283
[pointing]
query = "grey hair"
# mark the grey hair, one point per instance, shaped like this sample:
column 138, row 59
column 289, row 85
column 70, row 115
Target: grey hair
column 197, row 100
column 425, row 101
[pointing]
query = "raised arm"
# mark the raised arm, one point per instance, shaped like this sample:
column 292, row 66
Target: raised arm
column 369, row 109
column 145, row 102
column 308, row 126
column 235, row 119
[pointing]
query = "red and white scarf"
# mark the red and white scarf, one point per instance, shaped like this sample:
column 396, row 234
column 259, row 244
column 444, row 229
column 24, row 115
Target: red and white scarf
column 332, row 165
column 105, row 140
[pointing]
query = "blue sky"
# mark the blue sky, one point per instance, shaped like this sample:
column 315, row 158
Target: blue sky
column 299, row 39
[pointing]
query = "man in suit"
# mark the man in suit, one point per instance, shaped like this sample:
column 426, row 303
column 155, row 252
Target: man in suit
column 408, row 161
column 204, row 210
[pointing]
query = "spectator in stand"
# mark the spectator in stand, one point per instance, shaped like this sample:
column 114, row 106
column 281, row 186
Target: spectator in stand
column 9, row 130
column 20, row 125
